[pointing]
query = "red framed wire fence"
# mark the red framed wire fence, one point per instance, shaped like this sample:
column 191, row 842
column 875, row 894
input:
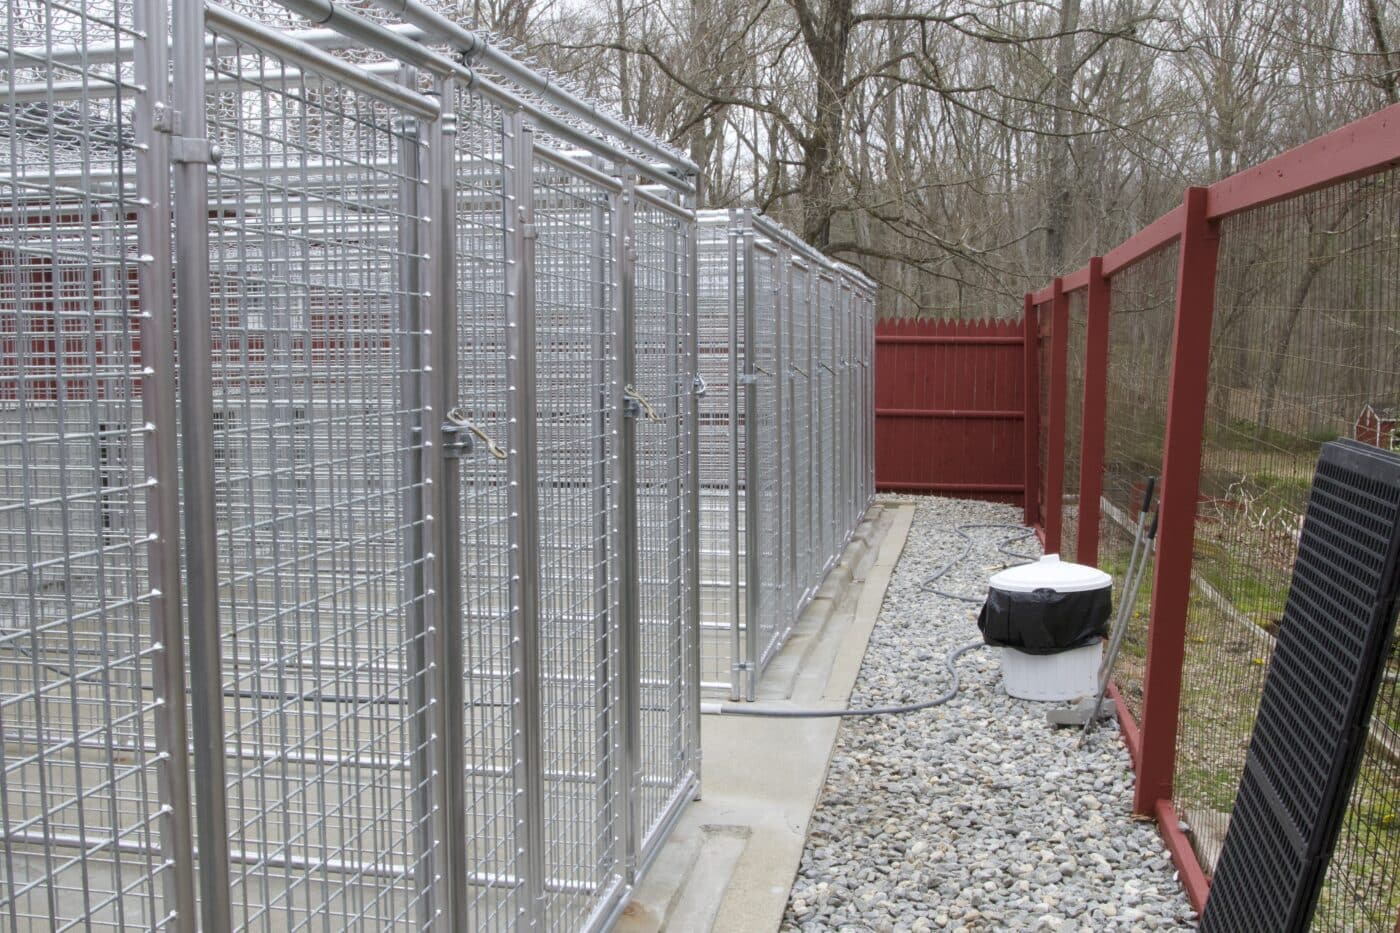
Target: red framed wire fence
column 1219, row 348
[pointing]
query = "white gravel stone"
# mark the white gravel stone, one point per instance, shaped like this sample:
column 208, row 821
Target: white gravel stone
column 974, row 815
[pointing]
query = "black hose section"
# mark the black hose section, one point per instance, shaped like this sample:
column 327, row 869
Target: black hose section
column 739, row 709
column 1018, row 533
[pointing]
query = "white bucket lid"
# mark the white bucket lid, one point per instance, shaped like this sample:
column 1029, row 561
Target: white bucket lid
column 1050, row 573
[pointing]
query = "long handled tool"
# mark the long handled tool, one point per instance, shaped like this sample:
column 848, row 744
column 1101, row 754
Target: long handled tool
column 1132, row 584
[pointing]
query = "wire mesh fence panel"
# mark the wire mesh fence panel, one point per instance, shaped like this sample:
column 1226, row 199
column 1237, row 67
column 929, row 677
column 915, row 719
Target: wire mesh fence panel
column 800, row 383
column 661, row 326
column 799, row 492
column 1044, row 367
column 826, row 410
column 1139, row 333
column 765, row 484
column 721, row 507
column 491, row 716
column 575, row 340
column 1074, row 419
column 89, row 722
column 323, row 702
column 1304, row 350
column 789, row 594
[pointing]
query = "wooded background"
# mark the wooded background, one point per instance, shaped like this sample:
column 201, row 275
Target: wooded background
column 962, row 152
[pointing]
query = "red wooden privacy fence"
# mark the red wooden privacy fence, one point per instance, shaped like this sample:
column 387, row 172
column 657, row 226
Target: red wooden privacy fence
column 950, row 408
column 1218, row 348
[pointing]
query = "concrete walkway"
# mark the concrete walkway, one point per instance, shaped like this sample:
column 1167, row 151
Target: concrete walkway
column 730, row 863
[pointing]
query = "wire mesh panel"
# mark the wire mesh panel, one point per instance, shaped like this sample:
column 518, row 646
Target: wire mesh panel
column 1045, row 324
column 1303, row 351
column 825, row 409
column 578, row 620
column 800, row 391
column 88, row 720
column 1074, row 419
column 764, row 483
column 721, row 542
column 1139, row 330
column 491, row 715
column 310, row 336
column 662, row 323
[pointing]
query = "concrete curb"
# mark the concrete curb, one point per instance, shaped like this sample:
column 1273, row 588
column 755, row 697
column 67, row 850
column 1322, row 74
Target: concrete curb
column 730, row 863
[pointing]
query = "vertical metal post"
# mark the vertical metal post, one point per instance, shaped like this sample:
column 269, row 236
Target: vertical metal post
column 680, row 294
column 1030, row 336
column 868, row 406
column 158, row 381
column 1055, row 439
column 523, row 501
column 680, row 391
column 753, row 573
column 191, row 185
column 821, row 432
column 832, row 423
column 1095, row 412
column 787, row 373
column 1181, row 472
column 601, row 480
column 690, row 292
column 779, row 564
column 630, row 594
column 408, row 330
column 847, row 410
column 815, row 430
column 736, row 607
column 444, row 642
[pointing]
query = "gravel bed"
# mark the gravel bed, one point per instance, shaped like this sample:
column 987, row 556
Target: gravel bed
column 974, row 815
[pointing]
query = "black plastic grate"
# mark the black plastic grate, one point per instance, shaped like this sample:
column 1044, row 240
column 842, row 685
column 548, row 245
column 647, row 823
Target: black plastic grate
column 1322, row 681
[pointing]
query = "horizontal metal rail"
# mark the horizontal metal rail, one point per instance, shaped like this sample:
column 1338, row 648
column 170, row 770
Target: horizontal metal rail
column 289, row 46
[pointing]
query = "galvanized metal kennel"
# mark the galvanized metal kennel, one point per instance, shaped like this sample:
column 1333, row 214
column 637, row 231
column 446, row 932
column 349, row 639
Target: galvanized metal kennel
column 349, row 565
column 786, row 434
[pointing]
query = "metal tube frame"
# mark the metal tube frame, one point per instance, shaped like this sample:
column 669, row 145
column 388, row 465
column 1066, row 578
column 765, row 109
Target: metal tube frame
column 191, row 215
column 753, row 563
column 630, row 590
column 524, row 505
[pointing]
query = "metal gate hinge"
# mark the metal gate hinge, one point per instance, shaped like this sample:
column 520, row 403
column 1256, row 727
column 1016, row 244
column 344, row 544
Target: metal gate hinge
column 529, row 231
column 191, row 149
column 699, row 386
column 748, row 379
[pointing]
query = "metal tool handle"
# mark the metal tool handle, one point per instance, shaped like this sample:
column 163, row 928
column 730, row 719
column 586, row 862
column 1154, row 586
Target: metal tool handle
column 1147, row 495
column 1132, row 584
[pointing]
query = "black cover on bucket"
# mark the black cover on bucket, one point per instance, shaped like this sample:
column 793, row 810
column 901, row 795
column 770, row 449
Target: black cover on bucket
column 1045, row 621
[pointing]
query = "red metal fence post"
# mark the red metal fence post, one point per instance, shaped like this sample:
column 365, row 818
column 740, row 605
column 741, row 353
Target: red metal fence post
column 1031, row 331
column 1055, row 435
column 1094, row 422
column 1181, row 470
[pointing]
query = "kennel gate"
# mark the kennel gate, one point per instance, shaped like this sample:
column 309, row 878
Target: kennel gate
column 786, row 427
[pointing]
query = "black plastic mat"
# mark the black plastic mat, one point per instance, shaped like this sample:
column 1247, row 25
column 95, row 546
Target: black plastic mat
column 1321, row 684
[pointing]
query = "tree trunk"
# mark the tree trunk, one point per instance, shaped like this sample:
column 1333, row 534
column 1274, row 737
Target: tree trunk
column 1057, row 217
column 827, row 34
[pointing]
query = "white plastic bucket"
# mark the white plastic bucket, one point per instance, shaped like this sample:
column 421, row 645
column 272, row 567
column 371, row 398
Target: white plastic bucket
column 1069, row 675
